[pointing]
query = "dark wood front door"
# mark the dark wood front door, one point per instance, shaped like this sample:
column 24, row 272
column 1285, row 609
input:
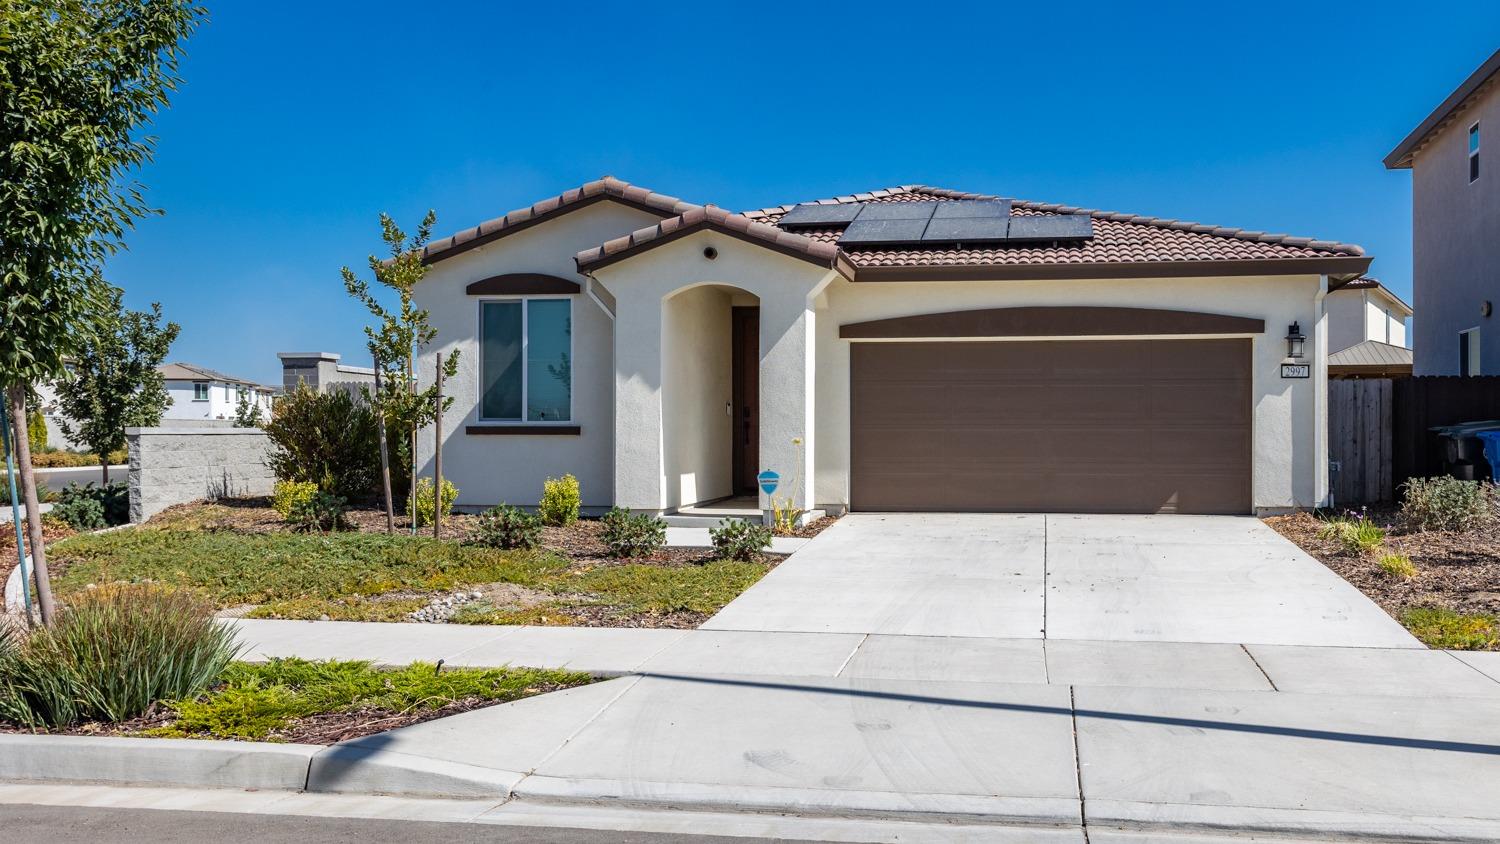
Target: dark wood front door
column 746, row 390
column 1086, row 426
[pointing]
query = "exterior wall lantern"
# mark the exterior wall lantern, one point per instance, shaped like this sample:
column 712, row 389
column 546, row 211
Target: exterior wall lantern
column 1295, row 341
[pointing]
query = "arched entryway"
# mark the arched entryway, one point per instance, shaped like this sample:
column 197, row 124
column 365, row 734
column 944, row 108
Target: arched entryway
column 710, row 394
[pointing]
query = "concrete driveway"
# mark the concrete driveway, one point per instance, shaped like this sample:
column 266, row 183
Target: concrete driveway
column 1222, row 579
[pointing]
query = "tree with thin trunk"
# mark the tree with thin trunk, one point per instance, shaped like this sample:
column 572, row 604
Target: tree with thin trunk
column 401, row 333
column 79, row 80
column 116, row 383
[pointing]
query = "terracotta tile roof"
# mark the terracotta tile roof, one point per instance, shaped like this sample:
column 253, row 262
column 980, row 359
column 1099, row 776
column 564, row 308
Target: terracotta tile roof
column 606, row 188
column 708, row 217
column 1120, row 240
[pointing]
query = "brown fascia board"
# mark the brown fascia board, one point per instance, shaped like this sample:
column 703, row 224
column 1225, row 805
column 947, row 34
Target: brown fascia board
column 1401, row 156
column 693, row 228
column 1052, row 321
column 476, row 238
column 522, row 284
column 1332, row 266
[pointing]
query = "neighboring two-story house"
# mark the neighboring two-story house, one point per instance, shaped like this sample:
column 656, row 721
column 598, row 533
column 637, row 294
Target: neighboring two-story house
column 1367, row 331
column 1456, row 228
column 200, row 393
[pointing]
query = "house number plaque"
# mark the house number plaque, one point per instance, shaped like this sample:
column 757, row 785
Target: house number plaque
column 1296, row 370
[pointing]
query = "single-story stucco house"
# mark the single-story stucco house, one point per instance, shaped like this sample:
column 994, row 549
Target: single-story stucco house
column 905, row 349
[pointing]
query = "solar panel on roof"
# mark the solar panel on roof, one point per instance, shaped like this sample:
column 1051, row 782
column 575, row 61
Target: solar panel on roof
column 820, row 215
column 1057, row 227
column 966, row 229
column 972, row 208
column 897, row 211
column 871, row 232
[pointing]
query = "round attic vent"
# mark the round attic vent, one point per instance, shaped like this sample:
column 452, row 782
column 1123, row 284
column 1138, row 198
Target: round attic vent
column 710, row 253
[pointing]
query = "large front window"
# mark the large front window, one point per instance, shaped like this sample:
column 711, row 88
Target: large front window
column 526, row 366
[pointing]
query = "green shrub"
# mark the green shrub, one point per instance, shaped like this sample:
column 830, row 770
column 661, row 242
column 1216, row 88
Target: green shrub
column 505, row 526
column 1438, row 627
column 80, row 513
column 54, row 458
column 560, row 501
column 1357, row 534
column 1447, row 504
column 89, row 507
column 36, row 430
column 629, row 535
column 257, row 700
column 1397, row 566
column 288, row 494
column 320, row 511
column 424, row 503
column 330, row 439
column 110, row 653
column 735, row 539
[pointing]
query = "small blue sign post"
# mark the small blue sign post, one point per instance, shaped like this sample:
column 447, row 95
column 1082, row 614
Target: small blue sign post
column 769, row 480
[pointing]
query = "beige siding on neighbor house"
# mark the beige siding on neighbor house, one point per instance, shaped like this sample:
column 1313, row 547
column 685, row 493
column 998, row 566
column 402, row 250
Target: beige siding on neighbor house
column 1456, row 240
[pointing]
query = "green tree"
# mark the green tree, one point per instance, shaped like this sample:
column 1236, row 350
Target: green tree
column 79, row 79
column 247, row 412
column 401, row 332
column 116, row 383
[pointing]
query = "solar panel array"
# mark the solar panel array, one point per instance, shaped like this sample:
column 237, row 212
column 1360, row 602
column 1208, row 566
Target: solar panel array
column 953, row 221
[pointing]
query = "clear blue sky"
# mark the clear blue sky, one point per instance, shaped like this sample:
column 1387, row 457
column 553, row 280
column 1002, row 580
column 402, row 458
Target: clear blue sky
column 298, row 123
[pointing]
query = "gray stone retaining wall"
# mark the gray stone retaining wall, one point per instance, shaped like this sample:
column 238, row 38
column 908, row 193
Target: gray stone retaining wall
column 175, row 465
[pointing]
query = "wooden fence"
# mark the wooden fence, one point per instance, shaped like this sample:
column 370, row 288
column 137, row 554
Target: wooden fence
column 1378, row 429
column 1359, row 440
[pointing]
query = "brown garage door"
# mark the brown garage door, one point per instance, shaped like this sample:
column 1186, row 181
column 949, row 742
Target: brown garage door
column 1089, row 426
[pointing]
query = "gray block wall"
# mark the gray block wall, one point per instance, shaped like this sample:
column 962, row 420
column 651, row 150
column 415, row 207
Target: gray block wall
column 179, row 464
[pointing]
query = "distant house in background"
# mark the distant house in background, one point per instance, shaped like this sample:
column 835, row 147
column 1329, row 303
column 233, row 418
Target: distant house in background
column 321, row 371
column 200, row 393
column 1367, row 331
column 1456, row 228
column 47, row 400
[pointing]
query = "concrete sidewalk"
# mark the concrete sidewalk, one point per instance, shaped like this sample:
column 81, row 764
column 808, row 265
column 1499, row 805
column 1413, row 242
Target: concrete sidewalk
column 1280, row 762
column 618, row 651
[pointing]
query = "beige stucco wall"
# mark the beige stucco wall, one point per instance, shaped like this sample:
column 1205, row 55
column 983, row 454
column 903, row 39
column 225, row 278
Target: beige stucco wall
column 643, row 287
column 1289, row 461
column 1456, row 241
column 1357, row 315
column 696, row 392
column 491, row 469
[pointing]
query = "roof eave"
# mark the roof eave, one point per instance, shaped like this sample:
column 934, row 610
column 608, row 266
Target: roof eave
column 1401, row 157
column 1331, row 265
column 596, row 259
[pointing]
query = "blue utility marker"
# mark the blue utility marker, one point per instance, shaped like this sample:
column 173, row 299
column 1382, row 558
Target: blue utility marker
column 768, row 481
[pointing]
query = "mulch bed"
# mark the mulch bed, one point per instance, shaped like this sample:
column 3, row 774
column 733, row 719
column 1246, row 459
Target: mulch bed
column 1457, row 571
column 326, row 728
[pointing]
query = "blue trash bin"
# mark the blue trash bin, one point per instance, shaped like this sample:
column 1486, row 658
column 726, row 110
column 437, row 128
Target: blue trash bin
column 1491, row 441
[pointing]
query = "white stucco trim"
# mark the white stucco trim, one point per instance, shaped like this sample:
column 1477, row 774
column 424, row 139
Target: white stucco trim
column 1322, row 489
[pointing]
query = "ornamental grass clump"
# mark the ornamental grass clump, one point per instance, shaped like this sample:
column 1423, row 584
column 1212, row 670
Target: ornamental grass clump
column 111, row 653
column 1356, row 533
column 1397, row 566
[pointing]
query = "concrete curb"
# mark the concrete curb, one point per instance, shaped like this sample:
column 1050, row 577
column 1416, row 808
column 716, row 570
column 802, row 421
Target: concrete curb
column 352, row 769
column 1049, row 811
column 153, row 761
column 1178, row 818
